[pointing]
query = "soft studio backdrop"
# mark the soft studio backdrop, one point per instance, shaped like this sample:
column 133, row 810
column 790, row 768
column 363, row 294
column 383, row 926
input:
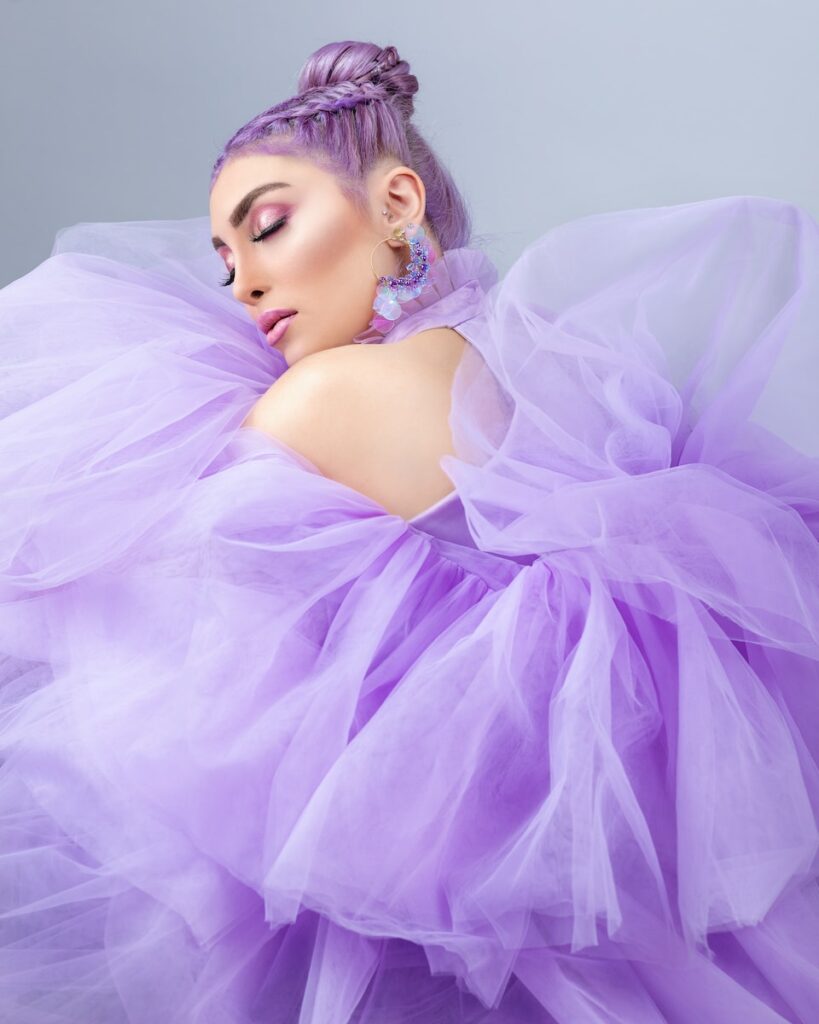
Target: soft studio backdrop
column 543, row 110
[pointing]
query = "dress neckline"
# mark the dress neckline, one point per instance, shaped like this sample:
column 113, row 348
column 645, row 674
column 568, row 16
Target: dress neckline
column 454, row 291
column 455, row 284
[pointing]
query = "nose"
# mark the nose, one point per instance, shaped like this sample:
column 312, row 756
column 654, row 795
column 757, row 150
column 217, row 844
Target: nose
column 249, row 284
column 246, row 294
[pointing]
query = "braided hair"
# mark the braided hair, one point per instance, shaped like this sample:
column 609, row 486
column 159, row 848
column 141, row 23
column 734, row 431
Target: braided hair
column 354, row 107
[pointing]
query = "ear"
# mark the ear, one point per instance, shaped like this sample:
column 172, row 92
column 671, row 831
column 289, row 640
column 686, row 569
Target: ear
column 402, row 192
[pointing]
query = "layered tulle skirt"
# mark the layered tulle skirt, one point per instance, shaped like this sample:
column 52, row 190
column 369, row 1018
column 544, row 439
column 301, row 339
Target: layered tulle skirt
column 272, row 754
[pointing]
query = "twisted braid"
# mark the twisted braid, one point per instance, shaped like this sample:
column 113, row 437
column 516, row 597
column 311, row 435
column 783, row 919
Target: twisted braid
column 328, row 98
column 370, row 86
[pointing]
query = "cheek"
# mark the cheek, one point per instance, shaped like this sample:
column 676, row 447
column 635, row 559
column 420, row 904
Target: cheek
column 337, row 262
column 310, row 259
column 330, row 245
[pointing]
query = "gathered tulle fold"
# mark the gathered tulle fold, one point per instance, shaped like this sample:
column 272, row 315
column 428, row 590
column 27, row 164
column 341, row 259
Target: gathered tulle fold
column 271, row 753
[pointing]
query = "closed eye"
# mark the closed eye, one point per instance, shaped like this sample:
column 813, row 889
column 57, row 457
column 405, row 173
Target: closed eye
column 256, row 238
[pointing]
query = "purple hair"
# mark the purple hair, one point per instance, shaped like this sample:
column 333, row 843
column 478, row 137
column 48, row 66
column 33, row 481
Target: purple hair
column 353, row 107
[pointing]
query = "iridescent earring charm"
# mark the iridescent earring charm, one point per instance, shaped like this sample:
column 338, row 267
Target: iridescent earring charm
column 394, row 290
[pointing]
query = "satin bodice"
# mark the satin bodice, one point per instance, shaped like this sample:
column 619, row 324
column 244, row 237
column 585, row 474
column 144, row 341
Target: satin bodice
column 445, row 524
column 445, row 519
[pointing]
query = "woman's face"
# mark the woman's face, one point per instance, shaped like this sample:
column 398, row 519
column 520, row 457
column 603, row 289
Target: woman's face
column 315, row 258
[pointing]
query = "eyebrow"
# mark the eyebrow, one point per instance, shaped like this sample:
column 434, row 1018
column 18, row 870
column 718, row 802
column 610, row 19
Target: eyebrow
column 243, row 206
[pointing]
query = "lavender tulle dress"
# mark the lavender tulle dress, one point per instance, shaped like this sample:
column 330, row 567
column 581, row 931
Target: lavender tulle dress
column 545, row 753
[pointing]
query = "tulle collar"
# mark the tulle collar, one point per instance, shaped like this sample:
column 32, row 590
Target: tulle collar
column 455, row 284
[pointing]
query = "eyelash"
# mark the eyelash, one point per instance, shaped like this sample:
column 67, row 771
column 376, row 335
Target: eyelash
column 258, row 238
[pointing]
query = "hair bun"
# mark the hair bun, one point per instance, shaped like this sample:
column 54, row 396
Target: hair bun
column 347, row 73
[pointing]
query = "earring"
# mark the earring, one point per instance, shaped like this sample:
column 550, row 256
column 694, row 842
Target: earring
column 394, row 290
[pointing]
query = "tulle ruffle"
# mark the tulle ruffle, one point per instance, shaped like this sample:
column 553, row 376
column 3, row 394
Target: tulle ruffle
column 273, row 754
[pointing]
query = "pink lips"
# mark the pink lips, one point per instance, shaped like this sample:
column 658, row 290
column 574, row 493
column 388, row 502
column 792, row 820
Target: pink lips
column 270, row 316
column 276, row 333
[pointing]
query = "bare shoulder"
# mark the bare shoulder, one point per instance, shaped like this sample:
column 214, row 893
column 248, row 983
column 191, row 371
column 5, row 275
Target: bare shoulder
column 439, row 343
column 374, row 417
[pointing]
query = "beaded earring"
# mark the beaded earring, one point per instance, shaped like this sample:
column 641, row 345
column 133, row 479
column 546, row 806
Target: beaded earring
column 394, row 290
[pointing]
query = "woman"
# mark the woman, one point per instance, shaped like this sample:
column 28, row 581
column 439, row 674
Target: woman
column 387, row 642
column 399, row 394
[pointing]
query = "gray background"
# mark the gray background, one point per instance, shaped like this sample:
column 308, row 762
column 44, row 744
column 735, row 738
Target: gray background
column 543, row 110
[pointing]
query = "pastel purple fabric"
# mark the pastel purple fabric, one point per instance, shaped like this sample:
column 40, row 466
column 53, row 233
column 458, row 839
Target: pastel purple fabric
column 545, row 753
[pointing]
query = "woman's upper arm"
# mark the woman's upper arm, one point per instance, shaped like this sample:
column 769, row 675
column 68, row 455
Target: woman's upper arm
column 374, row 421
column 294, row 410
